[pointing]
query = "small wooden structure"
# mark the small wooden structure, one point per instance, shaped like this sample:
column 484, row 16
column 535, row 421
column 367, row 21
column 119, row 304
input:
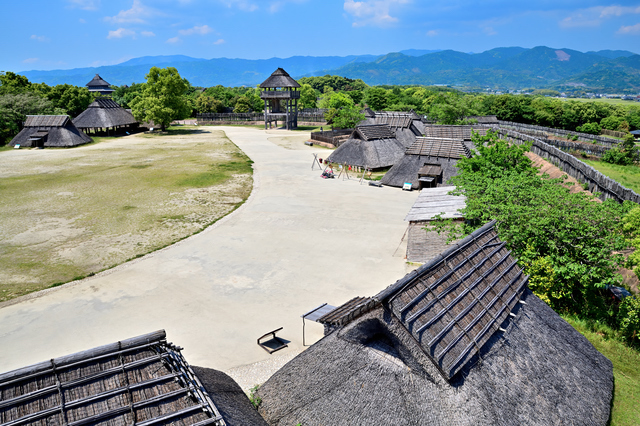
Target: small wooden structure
column 423, row 241
column 144, row 380
column 42, row 131
column 280, row 96
column 100, row 86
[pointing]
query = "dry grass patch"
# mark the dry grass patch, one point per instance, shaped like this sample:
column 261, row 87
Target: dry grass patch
column 71, row 213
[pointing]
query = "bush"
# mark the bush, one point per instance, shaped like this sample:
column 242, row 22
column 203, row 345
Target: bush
column 616, row 156
column 629, row 320
column 592, row 128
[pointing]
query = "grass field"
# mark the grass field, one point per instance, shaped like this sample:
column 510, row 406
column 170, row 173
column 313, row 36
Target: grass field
column 628, row 176
column 626, row 371
column 69, row 213
column 608, row 101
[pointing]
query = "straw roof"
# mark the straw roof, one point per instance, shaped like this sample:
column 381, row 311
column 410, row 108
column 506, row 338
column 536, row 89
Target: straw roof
column 444, row 152
column 104, row 113
column 484, row 119
column 448, row 344
column 279, row 78
column 374, row 147
column 96, row 82
column 51, row 131
column 434, row 201
column 144, row 380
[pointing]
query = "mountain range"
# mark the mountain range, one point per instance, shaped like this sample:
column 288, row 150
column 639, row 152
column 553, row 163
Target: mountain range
column 499, row 68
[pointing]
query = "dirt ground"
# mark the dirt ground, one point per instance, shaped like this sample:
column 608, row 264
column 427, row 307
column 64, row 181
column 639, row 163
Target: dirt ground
column 69, row 213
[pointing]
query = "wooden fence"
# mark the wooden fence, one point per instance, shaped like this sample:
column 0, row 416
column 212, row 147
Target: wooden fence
column 540, row 131
column 613, row 133
column 598, row 183
column 334, row 137
column 311, row 117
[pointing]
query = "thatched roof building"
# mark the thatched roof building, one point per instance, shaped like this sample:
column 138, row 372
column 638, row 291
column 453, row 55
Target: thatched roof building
column 49, row 131
column 427, row 157
column 459, row 341
column 280, row 97
column 423, row 241
column 104, row 113
column 143, row 381
column 372, row 146
column 406, row 125
column 99, row 85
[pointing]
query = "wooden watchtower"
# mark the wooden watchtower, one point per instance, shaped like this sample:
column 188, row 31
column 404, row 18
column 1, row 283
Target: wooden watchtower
column 98, row 85
column 280, row 94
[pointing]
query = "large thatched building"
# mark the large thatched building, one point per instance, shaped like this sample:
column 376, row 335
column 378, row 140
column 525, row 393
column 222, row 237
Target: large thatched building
column 433, row 204
column 372, row 146
column 459, row 341
column 105, row 115
column 140, row 381
column 42, row 131
column 427, row 163
column 99, row 85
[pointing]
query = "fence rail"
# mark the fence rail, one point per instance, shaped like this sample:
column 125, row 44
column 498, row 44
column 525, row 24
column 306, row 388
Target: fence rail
column 540, row 131
column 598, row 183
column 311, row 117
column 613, row 133
column 334, row 137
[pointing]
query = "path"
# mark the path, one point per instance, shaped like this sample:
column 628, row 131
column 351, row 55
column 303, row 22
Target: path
column 298, row 241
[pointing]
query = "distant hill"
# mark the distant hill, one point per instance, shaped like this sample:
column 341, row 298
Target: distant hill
column 500, row 68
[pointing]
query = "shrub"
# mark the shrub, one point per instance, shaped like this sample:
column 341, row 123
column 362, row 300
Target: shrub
column 616, row 156
column 592, row 128
column 629, row 320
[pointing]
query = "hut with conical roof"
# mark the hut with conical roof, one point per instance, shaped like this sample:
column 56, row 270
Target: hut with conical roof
column 459, row 341
column 99, row 85
column 373, row 147
column 280, row 94
column 105, row 115
column 55, row 131
column 427, row 163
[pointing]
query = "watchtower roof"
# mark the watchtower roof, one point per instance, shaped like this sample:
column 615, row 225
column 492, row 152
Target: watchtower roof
column 279, row 78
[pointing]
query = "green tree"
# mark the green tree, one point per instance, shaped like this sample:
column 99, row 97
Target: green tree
column 592, row 128
column 242, row 105
column 347, row 118
column 14, row 109
column 161, row 100
column 12, row 83
column 307, row 96
column 376, row 98
column 563, row 240
column 209, row 104
column 72, row 99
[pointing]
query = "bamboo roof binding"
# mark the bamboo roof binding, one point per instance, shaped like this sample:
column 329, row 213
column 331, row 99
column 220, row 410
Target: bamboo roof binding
column 433, row 147
column 435, row 201
column 367, row 133
column 46, row 120
column 140, row 381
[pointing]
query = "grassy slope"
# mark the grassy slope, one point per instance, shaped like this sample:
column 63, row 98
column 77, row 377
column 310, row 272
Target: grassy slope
column 608, row 101
column 628, row 176
column 626, row 370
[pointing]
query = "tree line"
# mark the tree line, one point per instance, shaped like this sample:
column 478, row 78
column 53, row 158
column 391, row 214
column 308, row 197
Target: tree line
column 342, row 97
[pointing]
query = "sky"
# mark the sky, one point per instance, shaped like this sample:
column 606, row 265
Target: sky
column 64, row 34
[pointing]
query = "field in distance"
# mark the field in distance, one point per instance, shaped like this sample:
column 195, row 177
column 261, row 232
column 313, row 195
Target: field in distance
column 69, row 213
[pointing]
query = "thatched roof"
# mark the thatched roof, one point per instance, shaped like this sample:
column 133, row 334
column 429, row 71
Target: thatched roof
column 433, row 147
column 97, row 82
column 279, row 78
column 448, row 344
column 434, row 201
column 484, row 119
column 374, row 147
column 444, row 152
column 49, row 131
column 144, row 380
column 104, row 113
column 462, row 133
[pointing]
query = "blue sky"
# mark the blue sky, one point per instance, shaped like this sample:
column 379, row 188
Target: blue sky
column 62, row 34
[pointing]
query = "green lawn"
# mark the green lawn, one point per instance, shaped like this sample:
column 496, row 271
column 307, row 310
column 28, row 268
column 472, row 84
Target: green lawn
column 626, row 371
column 607, row 101
column 628, row 176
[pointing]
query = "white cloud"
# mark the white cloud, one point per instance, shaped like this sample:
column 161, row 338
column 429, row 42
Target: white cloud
column 30, row 60
column 373, row 12
column 433, row 33
column 147, row 33
column 201, row 30
column 631, row 29
column 133, row 15
column 489, row 31
column 219, row 41
column 82, row 21
column 39, row 38
column 593, row 16
column 244, row 5
column 85, row 4
column 174, row 40
column 121, row 33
